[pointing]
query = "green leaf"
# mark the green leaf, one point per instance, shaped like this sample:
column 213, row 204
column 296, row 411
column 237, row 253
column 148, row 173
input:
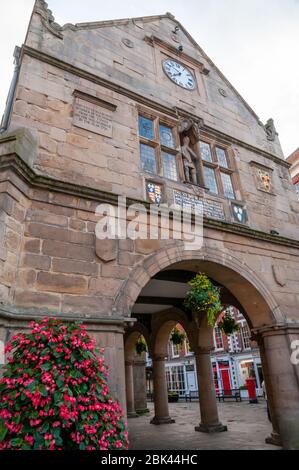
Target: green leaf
column 3, row 431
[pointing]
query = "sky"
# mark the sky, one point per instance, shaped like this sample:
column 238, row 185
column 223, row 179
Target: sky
column 254, row 43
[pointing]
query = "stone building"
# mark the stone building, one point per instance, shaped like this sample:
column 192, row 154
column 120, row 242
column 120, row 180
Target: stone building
column 293, row 160
column 135, row 107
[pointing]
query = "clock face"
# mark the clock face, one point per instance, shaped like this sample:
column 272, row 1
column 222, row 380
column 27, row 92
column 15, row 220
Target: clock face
column 179, row 74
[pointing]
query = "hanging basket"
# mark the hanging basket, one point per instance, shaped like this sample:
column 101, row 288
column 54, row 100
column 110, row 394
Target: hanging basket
column 228, row 324
column 177, row 337
column 140, row 346
column 203, row 297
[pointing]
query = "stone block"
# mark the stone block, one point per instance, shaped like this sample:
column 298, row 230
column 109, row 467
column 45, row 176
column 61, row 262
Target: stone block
column 36, row 261
column 74, row 267
column 67, row 250
column 61, row 283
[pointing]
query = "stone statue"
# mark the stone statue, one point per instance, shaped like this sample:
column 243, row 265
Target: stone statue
column 188, row 156
column 270, row 130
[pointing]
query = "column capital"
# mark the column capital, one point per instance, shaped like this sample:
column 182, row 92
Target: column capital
column 129, row 363
column 275, row 329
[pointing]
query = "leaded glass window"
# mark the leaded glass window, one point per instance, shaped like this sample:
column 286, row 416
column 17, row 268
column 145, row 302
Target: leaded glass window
column 169, row 166
column 148, row 158
column 210, row 179
column 166, row 136
column 218, row 173
column 159, row 141
column 227, row 186
column 205, row 151
column 146, row 128
column 221, row 157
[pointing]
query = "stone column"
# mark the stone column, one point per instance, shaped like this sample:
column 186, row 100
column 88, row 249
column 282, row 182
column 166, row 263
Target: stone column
column 207, row 395
column 130, row 389
column 160, row 392
column 140, row 386
column 282, row 384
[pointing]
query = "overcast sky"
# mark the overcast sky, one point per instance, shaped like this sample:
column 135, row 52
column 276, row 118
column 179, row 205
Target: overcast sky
column 254, row 43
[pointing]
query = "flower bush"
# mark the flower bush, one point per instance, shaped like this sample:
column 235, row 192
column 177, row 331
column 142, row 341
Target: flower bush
column 203, row 297
column 54, row 393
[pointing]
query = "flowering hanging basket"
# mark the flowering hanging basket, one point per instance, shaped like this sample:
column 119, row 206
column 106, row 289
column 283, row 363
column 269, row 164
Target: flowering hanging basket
column 141, row 346
column 228, row 324
column 203, row 297
column 54, row 393
column 177, row 337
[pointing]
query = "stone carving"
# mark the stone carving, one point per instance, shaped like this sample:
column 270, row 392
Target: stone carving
column 188, row 156
column 222, row 92
column 239, row 213
column 187, row 124
column 128, row 43
column 154, row 192
column 48, row 20
column 279, row 274
column 106, row 249
column 270, row 130
column 208, row 208
column 265, row 180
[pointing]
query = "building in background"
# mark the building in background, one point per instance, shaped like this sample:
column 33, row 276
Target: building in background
column 293, row 159
column 235, row 358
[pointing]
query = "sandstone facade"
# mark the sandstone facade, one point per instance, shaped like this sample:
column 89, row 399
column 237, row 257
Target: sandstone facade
column 72, row 143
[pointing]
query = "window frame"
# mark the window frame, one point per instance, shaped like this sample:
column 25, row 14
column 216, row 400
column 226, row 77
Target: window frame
column 159, row 147
column 218, row 169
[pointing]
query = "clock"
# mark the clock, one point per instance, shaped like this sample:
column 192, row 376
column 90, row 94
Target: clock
column 179, row 74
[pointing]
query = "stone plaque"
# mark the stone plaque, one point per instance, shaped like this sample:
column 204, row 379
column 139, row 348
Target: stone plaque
column 206, row 207
column 92, row 117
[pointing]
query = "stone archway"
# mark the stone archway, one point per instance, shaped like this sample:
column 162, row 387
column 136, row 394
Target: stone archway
column 258, row 303
column 262, row 312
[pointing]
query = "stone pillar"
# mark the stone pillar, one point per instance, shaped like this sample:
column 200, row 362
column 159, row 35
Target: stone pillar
column 282, row 384
column 140, row 385
column 160, row 392
column 207, row 395
column 130, row 389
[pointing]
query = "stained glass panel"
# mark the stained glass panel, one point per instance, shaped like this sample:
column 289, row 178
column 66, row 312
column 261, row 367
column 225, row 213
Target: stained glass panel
column 227, row 186
column 148, row 158
column 146, row 128
column 205, row 152
column 169, row 166
column 221, row 157
column 166, row 136
column 210, row 179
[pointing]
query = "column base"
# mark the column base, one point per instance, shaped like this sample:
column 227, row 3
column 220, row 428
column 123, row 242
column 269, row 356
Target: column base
column 164, row 420
column 211, row 428
column 142, row 411
column 132, row 414
column 274, row 439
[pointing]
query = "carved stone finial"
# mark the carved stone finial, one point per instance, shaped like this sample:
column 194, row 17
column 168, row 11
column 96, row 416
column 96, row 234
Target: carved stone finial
column 270, row 130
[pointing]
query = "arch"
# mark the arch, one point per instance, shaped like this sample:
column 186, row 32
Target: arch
column 131, row 336
column 257, row 301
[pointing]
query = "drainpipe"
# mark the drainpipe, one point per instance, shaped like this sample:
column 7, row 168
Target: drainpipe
column 12, row 90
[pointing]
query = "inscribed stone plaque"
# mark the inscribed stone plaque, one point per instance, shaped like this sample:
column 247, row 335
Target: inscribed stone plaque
column 92, row 117
column 208, row 207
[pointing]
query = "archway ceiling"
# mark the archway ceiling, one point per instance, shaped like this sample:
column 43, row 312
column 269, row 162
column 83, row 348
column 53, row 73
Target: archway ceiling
column 168, row 288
